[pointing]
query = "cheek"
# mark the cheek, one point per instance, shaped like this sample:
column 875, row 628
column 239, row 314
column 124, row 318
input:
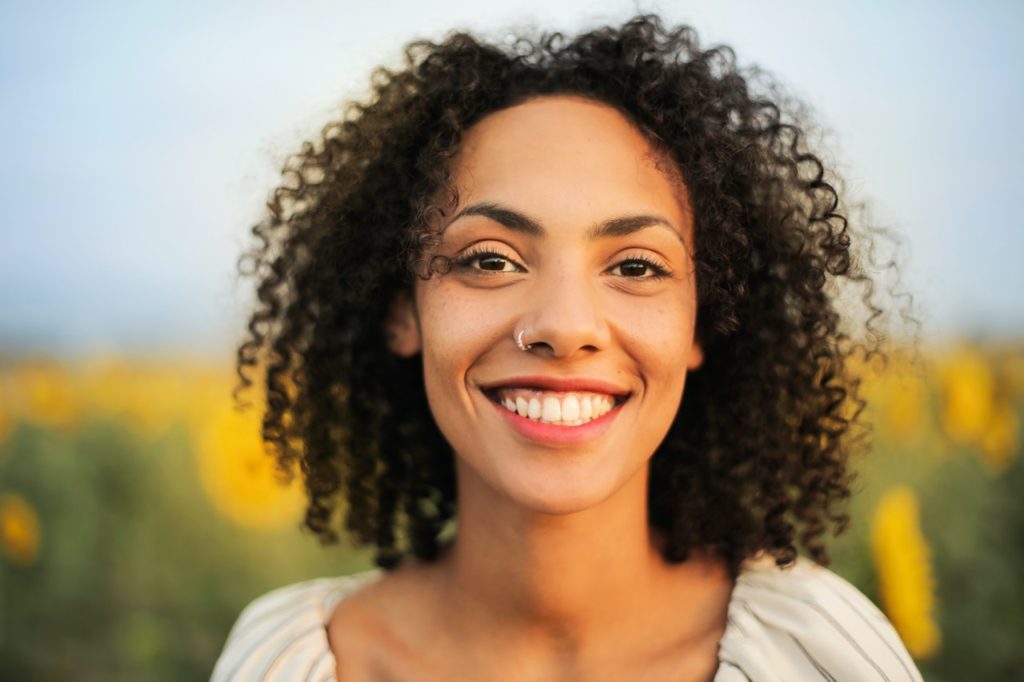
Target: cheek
column 444, row 329
column 659, row 336
column 455, row 335
column 442, row 378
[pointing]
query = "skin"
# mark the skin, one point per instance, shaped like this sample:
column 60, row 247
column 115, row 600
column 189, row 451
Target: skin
column 554, row 574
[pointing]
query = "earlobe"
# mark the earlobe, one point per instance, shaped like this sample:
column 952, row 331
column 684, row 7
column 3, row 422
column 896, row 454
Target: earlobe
column 696, row 356
column 402, row 327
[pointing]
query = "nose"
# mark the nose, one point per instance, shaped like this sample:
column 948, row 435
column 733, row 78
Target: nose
column 565, row 317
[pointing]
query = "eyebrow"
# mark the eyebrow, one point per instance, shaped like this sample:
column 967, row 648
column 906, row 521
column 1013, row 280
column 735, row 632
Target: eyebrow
column 516, row 221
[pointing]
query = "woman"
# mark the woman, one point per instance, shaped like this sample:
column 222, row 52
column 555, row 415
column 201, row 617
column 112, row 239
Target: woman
column 579, row 295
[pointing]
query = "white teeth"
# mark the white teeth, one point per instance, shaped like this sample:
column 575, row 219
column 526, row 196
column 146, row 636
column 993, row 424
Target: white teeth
column 557, row 408
column 552, row 409
column 586, row 410
column 534, row 410
column 570, row 408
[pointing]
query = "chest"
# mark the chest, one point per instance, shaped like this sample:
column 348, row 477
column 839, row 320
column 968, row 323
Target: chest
column 387, row 655
column 405, row 630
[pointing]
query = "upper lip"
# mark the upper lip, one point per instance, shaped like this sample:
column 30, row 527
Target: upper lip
column 563, row 384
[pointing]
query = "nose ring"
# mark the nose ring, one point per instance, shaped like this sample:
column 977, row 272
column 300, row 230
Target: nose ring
column 518, row 336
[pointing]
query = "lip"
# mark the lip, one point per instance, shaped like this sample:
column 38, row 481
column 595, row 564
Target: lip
column 555, row 434
column 565, row 384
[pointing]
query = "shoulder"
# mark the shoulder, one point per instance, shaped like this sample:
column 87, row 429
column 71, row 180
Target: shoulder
column 282, row 635
column 806, row 622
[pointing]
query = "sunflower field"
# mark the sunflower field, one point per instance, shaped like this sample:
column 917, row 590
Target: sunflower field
column 139, row 514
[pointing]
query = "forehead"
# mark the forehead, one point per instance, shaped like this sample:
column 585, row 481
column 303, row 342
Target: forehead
column 567, row 157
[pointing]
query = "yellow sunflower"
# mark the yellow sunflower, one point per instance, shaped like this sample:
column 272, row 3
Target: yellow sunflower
column 1000, row 442
column 900, row 399
column 19, row 529
column 149, row 397
column 969, row 391
column 903, row 564
column 44, row 393
column 239, row 477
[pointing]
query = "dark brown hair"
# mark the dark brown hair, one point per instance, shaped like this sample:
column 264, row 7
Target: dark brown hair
column 757, row 458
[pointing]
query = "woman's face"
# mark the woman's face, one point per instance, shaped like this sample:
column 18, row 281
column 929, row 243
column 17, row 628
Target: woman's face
column 564, row 227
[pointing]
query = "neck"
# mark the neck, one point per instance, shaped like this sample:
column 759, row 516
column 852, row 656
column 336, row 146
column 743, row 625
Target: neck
column 579, row 577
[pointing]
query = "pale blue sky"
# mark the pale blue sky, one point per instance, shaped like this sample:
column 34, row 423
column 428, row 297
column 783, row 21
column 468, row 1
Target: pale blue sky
column 142, row 141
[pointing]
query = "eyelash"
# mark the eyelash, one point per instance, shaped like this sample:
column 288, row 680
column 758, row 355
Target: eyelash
column 464, row 261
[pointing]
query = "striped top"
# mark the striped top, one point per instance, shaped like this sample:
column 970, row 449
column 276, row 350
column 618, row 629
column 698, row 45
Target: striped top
column 784, row 625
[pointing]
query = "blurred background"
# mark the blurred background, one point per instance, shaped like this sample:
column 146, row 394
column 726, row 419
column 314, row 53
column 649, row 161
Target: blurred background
column 137, row 512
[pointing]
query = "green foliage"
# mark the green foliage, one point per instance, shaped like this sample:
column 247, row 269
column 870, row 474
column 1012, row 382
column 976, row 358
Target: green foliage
column 137, row 577
column 974, row 523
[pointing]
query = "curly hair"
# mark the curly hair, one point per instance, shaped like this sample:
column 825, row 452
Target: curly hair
column 356, row 212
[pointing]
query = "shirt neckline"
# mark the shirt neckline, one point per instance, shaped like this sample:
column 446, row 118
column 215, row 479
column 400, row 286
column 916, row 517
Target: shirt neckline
column 344, row 585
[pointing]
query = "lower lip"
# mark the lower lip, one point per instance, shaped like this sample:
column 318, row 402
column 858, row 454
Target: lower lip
column 556, row 434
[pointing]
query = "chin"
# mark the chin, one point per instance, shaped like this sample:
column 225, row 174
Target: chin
column 557, row 490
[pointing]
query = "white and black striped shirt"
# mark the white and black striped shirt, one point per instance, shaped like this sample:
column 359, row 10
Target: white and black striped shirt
column 785, row 625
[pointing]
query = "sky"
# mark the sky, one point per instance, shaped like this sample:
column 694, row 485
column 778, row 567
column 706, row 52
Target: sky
column 144, row 138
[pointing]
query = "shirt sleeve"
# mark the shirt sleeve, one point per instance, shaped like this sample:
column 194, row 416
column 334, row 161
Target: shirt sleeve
column 807, row 623
column 279, row 636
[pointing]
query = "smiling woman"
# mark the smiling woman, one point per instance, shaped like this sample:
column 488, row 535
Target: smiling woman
column 562, row 193
column 556, row 324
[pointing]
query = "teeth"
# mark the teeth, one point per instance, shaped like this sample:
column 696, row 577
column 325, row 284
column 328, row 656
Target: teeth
column 586, row 411
column 534, row 410
column 552, row 410
column 570, row 408
column 556, row 408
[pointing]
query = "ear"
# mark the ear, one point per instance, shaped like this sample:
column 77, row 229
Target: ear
column 696, row 356
column 402, row 326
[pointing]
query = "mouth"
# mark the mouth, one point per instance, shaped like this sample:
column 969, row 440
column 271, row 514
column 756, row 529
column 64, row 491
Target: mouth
column 555, row 408
column 556, row 419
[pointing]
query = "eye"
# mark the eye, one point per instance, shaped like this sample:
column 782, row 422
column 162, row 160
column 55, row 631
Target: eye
column 484, row 260
column 640, row 267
